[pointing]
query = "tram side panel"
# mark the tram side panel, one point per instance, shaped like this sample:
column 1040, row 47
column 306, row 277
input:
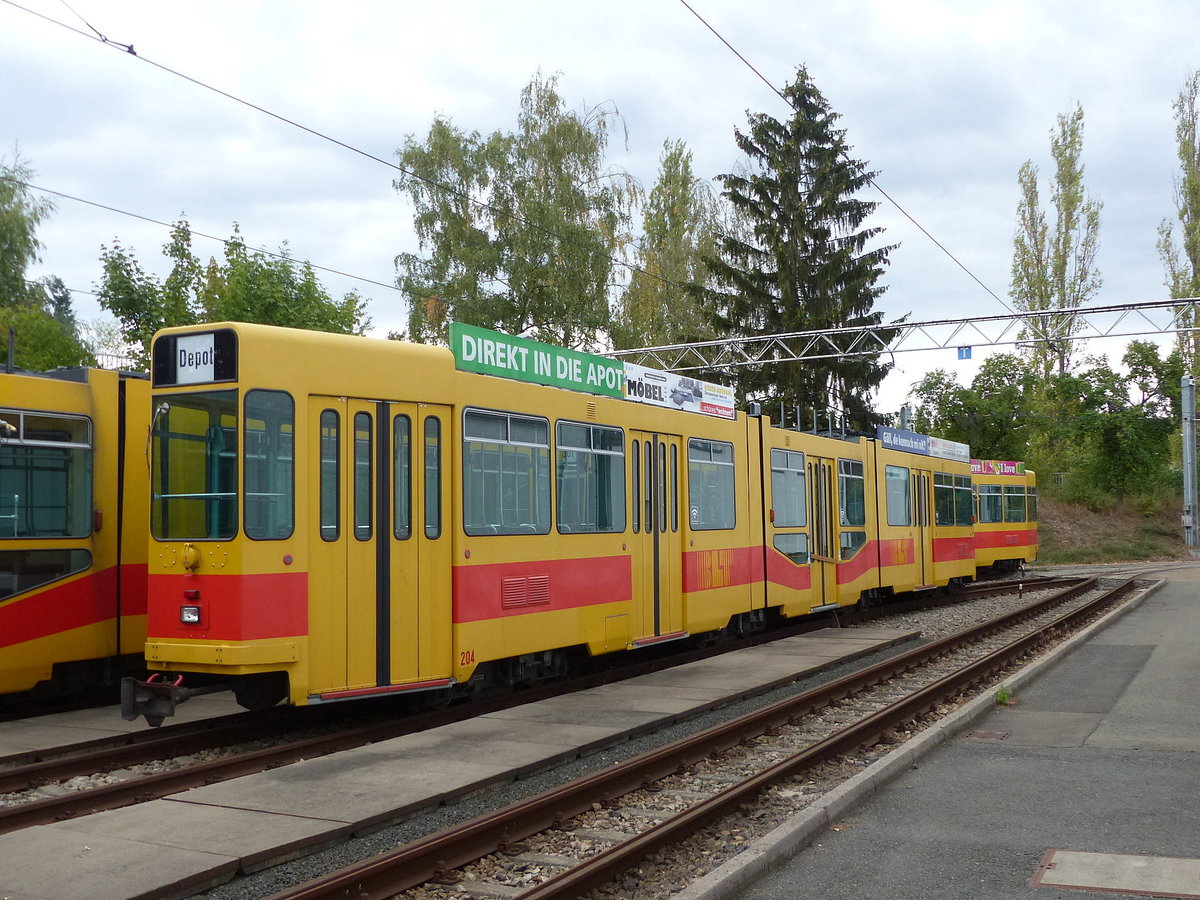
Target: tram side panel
column 647, row 542
column 953, row 522
column 1006, row 534
column 61, row 508
column 905, row 527
column 132, row 514
column 824, row 542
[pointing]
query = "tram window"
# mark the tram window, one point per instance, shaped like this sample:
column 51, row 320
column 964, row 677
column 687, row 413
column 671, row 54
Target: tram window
column 590, row 466
column 788, row 490
column 331, row 475
column 793, row 545
column 433, row 477
column 1014, row 503
column 943, row 499
column 663, row 487
column 506, row 473
column 964, row 500
column 852, row 493
column 899, row 506
column 991, row 504
column 268, row 464
column 674, row 488
column 648, row 486
column 1031, row 503
column 45, row 476
column 953, row 499
column 711, row 502
column 402, row 476
column 194, row 461
column 852, row 542
column 362, row 476
column 24, row 570
column 637, row 487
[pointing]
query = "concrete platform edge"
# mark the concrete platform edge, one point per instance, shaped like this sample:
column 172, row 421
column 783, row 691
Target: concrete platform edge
column 729, row 879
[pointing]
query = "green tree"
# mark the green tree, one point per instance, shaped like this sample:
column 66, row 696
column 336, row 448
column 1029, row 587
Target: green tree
column 521, row 227
column 21, row 212
column 992, row 415
column 794, row 254
column 248, row 286
column 41, row 343
column 1181, row 260
column 1055, row 268
column 40, row 313
column 1111, row 433
column 662, row 303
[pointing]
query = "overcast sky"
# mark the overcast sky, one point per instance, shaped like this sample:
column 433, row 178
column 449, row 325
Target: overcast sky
column 943, row 100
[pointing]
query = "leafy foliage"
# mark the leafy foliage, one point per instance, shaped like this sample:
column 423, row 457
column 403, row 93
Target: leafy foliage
column 40, row 313
column 248, row 286
column 41, row 342
column 1055, row 269
column 794, row 255
column 1110, row 433
column 992, row 415
column 1182, row 261
column 521, row 227
column 662, row 304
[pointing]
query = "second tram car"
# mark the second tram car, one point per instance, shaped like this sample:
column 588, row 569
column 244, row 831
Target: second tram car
column 73, row 524
column 336, row 517
column 1006, row 521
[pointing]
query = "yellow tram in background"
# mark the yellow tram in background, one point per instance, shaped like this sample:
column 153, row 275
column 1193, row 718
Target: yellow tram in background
column 73, row 523
column 336, row 517
column 1006, row 521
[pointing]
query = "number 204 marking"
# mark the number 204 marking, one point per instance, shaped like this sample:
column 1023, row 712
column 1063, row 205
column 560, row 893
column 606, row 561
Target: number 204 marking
column 466, row 658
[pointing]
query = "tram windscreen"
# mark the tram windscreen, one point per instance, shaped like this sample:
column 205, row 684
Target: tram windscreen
column 195, row 466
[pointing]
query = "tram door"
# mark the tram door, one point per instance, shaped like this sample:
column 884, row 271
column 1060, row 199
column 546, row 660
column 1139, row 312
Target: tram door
column 823, row 507
column 376, row 560
column 657, row 555
column 922, row 484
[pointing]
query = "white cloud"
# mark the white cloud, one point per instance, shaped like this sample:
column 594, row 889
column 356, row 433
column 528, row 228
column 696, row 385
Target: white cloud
column 944, row 100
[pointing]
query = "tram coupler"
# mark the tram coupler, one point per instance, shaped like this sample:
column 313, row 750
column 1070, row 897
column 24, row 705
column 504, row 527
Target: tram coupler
column 156, row 698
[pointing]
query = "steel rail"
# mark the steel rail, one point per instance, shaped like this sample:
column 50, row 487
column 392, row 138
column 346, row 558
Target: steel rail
column 609, row 863
column 34, row 768
column 430, row 858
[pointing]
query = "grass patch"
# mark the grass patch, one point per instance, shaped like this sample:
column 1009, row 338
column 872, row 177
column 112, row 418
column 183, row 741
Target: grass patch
column 1071, row 534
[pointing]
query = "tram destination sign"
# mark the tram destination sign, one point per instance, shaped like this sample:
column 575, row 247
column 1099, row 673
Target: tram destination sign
column 200, row 357
column 493, row 353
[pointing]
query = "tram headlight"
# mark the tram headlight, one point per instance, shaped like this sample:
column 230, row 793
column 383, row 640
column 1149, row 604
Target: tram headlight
column 189, row 615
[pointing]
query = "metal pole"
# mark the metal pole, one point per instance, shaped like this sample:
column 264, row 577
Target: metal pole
column 1190, row 535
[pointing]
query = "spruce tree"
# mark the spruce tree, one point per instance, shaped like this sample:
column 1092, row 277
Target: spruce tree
column 794, row 255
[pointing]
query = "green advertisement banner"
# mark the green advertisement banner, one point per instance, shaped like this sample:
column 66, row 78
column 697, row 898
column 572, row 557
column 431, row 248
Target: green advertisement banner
column 492, row 353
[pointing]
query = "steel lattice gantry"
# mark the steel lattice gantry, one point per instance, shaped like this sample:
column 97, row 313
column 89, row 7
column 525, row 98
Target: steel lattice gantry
column 1083, row 323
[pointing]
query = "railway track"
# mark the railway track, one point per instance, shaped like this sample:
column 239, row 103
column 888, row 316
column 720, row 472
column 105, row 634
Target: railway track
column 285, row 735
column 569, row 840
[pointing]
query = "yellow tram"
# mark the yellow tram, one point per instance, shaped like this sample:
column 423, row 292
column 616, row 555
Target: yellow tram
column 336, row 517
column 1006, row 535
column 73, row 524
